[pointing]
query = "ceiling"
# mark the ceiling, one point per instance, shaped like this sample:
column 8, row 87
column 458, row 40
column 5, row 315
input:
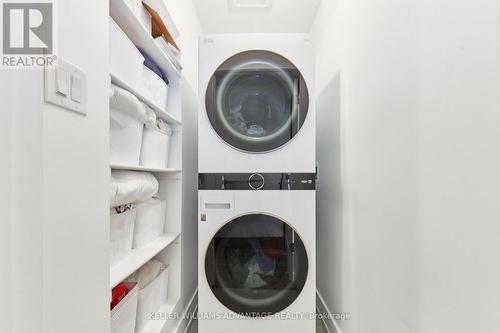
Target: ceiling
column 219, row 16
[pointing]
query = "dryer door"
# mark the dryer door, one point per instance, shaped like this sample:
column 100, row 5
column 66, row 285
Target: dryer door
column 256, row 265
column 257, row 101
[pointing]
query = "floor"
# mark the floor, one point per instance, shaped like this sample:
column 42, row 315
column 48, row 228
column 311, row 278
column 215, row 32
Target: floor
column 320, row 328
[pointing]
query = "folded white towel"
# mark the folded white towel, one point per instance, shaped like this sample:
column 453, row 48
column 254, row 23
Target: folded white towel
column 147, row 273
column 131, row 186
column 126, row 102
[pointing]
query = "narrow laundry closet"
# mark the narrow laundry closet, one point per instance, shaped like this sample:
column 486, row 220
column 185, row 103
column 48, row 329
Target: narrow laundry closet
column 256, row 199
column 146, row 182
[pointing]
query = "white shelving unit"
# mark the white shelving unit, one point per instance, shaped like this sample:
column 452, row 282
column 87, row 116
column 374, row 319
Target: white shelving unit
column 143, row 168
column 166, row 248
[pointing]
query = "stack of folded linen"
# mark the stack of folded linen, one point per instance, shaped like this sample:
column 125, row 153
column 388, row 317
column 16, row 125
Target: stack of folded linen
column 132, row 186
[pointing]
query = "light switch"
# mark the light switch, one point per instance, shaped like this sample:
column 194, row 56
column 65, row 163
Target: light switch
column 62, row 81
column 65, row 86
column 76, row 89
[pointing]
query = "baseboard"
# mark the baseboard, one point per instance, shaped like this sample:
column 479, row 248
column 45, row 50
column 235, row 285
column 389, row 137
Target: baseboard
column 188, row 314
column 331, row 325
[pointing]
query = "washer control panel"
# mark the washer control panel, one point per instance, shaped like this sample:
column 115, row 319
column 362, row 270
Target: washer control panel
column 257, row 181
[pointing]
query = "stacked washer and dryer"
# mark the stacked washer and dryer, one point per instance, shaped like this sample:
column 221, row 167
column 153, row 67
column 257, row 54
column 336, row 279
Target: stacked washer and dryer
column 257, row 180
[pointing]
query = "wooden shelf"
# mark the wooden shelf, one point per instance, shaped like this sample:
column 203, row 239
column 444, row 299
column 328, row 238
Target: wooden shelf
column 139, row 257
column 156, row 326
column 143, row 168
column 158, row 110
column 137, row 33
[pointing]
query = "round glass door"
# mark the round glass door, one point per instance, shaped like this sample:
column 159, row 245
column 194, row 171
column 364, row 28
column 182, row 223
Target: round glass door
column 257, row 101
column 256, row 265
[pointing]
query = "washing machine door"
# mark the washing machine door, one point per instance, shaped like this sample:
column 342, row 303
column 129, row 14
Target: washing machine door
column 256, row 265
column 257, row 101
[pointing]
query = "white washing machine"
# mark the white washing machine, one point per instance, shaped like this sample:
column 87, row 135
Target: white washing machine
column 256, row 102
column 256, row 253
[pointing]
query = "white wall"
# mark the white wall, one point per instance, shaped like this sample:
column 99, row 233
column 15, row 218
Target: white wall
column 26, row 225
column 186, row 19
column 6, row 199
column 365, row 58
column 59, row 174
column 459, row 180
column 418, row 159
column 76, row 181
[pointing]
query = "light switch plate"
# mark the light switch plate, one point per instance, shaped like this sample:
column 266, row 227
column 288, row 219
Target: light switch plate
column 66, row 101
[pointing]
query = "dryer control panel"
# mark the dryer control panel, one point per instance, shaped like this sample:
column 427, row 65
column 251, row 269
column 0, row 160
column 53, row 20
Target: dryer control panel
column 257, row 181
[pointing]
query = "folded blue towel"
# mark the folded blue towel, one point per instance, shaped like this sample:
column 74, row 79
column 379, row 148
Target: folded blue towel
column 151, row 64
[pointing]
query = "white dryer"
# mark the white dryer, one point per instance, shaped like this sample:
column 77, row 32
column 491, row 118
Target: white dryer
column 256, row 253
column 256, row 102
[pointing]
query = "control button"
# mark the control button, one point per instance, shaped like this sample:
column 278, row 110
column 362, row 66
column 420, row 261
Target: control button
column 256, row 181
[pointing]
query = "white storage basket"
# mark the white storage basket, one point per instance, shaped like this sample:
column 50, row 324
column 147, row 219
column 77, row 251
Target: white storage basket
column 155, row 148
column 124, row 313
column 150, row 221
column 125, row 138
column 125, row 60
column 121, row 234
column 154, row 88
column 151, row 299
